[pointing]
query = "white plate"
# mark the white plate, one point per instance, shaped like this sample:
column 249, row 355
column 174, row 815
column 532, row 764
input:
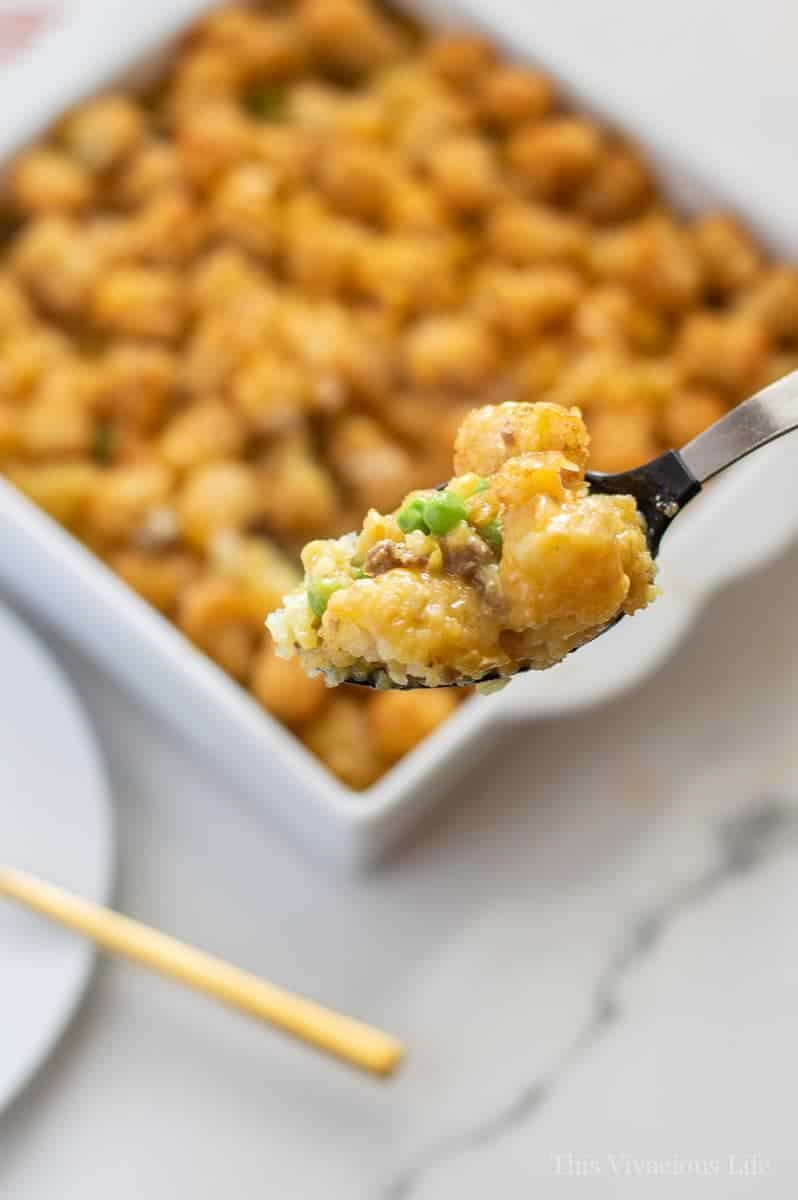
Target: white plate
column 55, row 820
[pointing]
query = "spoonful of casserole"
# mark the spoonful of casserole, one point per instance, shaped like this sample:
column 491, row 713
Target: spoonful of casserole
column 520, row 559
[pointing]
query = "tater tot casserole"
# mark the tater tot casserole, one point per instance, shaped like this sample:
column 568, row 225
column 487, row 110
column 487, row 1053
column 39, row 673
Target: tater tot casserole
column 246, row 305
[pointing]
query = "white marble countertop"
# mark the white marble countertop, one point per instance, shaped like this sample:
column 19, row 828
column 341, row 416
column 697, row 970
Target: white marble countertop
column 591, row 957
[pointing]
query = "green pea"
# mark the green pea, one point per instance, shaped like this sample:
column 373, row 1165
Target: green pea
column 319, row 592
column 443, row 511
column 492, row 534
column 103, row 442
column 411, row 516
column 482, row 486
column 359, row 573
column 268, row 104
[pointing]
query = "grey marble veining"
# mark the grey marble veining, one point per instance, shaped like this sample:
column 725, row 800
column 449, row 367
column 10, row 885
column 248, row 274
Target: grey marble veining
column 766, row 827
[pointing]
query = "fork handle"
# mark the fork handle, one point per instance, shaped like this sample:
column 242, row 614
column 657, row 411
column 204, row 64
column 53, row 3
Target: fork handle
column 767, row 415
column 348, row 1039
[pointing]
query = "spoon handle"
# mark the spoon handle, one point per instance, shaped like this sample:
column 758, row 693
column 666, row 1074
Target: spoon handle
column 766, row 416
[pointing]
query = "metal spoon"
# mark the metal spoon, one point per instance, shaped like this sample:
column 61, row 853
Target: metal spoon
column 664, row 486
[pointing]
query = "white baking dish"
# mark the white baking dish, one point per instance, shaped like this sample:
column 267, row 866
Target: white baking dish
column 742, row 522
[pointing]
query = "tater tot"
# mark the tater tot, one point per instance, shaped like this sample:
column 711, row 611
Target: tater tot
column 655, row 259
column 62, row 489
column 212, row 139
column 328, row 340
column 608, row 378
column 15, row 310
column 49, row 181
column 225, row 344
column 339, row 736
column 426, row 124
column 285, row 151
column 10, row 422
column 315, row 105
column 27, row 359
column 135, row 383
column 205, row 77
column 357, row 179
column 261, row 571
column 298, row 492
column 772, row 298
column 140, row 302
column 529, row 234
column 320, row 253
column 414, row 206
column 451, row 351
column 428, row 421
column 212, row 355
column 781, row 363
column 398, row 721
column 57, row 420
column 611, row 315
column 170, row 229
column 553, row 155
column 59, row 263
column 587, row 380
column 158, row 578
column 461, row 57
column 729, row 259
column 122, row 497
column 509, row 95
column 272, row 393
column 217, row 496
column 284, row 689
column 268, row 47
column 243, row 209
column 618, row 443
column 212, row 612
column 376, row 470
column 492, row 434
column 729, row 351
column 223, row 276
column 521, row 303
column 408, row 274
column 348, row 35
column 200, row 434
column 154, row 168
column 619, row 187
column 465, row 172
column 101, row 133
column 539, row 369
column 689, row 412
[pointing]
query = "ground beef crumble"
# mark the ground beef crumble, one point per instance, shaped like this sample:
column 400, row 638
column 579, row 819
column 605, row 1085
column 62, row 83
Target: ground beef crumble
column 386, row 555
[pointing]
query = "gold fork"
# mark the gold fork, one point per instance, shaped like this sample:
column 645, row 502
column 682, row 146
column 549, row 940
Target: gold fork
column 358, row 1044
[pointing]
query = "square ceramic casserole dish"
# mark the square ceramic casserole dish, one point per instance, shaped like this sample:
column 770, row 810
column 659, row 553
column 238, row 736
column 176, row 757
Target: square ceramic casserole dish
column 45, row 570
